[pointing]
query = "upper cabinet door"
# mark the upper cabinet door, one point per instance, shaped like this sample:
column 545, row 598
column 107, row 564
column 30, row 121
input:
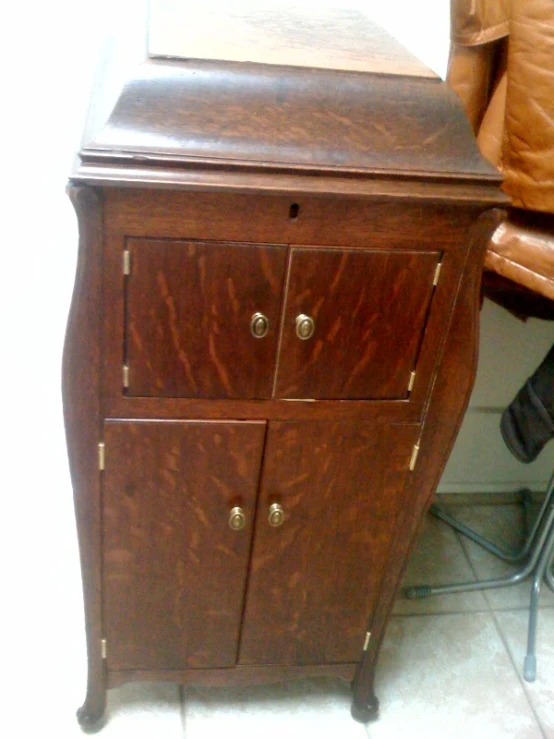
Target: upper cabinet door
column 353, row 322
column 191, row 326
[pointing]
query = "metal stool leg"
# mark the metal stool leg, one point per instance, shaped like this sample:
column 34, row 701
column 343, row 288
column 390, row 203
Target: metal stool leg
column 543, row 565
column 549, row 574
column 423, row 591
column 508, row 556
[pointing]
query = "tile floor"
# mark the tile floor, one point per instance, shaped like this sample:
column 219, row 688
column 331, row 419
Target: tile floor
column 451, row 666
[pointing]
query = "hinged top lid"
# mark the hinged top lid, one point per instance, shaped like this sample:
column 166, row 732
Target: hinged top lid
column 280, row 33
column 234, row 90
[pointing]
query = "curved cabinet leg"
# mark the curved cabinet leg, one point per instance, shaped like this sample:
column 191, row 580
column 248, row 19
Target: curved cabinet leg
column 91, row 715
column 81, row 405
column 365, row 705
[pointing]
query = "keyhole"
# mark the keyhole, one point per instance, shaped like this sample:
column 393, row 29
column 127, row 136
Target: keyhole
column 294, row 210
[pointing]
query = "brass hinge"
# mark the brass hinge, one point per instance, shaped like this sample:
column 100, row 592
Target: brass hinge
column 437, row 273
column 411, row 383
column 104, row 648
column 367, row 638
column 101, row 455
column 126, row 262
column 413, row 460
column 125, row 375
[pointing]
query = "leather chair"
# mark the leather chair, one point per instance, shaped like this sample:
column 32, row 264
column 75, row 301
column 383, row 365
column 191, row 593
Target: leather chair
column 502, row 67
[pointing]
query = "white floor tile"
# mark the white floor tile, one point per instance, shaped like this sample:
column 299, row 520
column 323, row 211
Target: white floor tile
column 541, row 692
column 449, row 677
column 503, row 525
column 142, row 711
column 318, row 708
column 438, row 558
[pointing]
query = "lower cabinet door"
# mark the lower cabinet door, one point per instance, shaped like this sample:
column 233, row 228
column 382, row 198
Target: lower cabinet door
column 314, row 579
column 174, row 571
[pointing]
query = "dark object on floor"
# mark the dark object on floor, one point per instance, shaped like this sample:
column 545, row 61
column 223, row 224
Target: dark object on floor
column 528, row 422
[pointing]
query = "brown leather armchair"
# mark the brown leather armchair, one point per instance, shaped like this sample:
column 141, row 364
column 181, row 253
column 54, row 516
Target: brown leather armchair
column 502, row 67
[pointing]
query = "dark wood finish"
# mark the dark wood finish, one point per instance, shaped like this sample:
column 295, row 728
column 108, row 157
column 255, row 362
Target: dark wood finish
column 174, row 570
column 81, row 408
column 375, row 301
column 188, row 315
column 322, row 221
column 447, row 404
column 293, row 120
column 314, row 579
column 401, row 411
column 240, row 675
column 136, row 175
column 215, row 174
column 337, row 38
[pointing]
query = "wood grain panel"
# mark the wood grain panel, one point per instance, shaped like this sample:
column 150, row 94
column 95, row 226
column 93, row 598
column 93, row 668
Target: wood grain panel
column 220, row 115
column 448, row 403
column 246, row 675
column 314, row 581
column 311, row 36
column 174, row 571
column 81, row 410
column 325, row 221
column 189, row 309
column 369, row 310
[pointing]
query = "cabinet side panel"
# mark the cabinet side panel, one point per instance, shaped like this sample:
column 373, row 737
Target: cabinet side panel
column 314, row 580
column 174, row 570
column 443, row 417
column 81, row 407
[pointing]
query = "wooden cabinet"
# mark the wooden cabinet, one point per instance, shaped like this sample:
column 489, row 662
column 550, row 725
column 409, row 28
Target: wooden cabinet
column 270, row 349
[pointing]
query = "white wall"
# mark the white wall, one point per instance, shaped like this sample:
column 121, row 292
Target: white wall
column 510, row 350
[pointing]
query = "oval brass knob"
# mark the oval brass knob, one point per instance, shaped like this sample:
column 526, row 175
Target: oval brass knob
column 237, row 519
column 276, row 515
column 259, row 325
column 305, row 327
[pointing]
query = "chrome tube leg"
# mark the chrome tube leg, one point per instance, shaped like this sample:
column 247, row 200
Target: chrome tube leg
column 545, row 560
column 423, row 591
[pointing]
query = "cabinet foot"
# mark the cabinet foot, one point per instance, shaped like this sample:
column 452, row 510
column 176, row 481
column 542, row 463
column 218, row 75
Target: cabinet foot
column 92, row 718
column 366, row 710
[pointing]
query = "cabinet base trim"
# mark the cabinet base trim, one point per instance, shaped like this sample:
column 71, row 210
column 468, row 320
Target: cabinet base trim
column 250, row 675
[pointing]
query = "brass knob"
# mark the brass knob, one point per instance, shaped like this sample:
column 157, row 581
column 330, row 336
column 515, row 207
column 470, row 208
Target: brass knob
column 305, row 327
column 259, row 325
column 276, row 515
column 237, row 519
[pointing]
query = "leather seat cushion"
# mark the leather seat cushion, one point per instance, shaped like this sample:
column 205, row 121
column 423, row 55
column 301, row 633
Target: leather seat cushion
column 522, row 249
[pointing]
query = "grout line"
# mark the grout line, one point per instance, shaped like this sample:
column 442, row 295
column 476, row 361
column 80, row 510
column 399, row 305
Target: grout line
column 441, row 613
column 182, row 708
column 521, row 681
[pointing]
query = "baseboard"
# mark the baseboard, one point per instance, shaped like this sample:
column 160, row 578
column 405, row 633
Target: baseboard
column 475, row 488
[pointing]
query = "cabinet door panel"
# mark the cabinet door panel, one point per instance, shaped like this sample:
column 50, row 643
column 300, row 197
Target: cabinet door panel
column 174, row 571
column 369, row 310
column 314, row 580
column 189, row 307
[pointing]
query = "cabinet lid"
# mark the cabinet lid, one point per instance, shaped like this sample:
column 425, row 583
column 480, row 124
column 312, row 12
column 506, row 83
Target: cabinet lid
column 279, row 33
column 239, row 90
